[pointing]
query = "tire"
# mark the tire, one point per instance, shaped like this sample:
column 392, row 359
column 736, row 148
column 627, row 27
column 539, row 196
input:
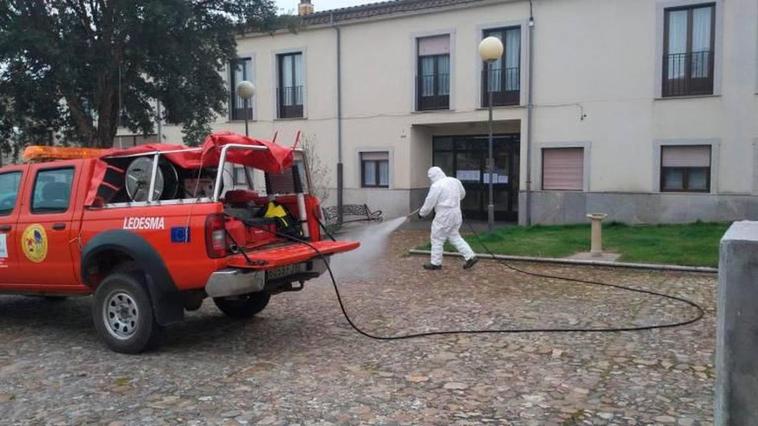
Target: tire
column 123, row 314
column 242, row 307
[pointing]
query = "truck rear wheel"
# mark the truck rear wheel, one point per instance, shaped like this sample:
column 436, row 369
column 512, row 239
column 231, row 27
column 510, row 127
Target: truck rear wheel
column 244, row 306
column 123, row 314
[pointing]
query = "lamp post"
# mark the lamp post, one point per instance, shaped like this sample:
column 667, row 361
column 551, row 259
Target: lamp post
column 490, row 50
column 245, row 90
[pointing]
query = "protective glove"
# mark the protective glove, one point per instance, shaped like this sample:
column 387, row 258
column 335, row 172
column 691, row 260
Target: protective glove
column 419, row 215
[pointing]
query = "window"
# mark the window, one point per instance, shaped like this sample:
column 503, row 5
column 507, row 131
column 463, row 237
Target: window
column 563, row 169
column 688, row 50
column 286, row 182
column 503, row 77
column 240, row 177
column 52, row 190
column 686, row 168
column 239, row 70
column 8, row 192
column 433, row 74
column 290, row 91
column 375, row 169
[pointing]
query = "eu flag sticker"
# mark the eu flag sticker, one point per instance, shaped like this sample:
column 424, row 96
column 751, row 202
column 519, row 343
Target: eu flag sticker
column 180, row 234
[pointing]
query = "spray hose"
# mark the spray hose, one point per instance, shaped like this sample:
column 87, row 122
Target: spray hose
column 700, row 312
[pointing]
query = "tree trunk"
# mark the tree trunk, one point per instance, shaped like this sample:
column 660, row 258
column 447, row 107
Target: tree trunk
column 82, row 121
column 108, row 84
column 108, row 111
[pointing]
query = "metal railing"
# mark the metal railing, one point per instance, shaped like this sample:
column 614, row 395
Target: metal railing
column 505, row 84
column 238, row 109
column 290, row 101
column 221, row 163
column 688, row 73
column 433, row 91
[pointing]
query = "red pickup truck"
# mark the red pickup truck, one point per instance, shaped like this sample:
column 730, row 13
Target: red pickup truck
column 153, row 230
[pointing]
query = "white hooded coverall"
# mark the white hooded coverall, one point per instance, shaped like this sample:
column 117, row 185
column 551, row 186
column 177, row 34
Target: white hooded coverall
column 444, row 198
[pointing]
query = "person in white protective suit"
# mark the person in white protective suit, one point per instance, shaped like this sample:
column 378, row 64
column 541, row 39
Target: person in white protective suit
column 444, row 198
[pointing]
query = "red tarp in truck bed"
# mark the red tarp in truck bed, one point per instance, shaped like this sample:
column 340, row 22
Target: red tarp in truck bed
column 274, row 159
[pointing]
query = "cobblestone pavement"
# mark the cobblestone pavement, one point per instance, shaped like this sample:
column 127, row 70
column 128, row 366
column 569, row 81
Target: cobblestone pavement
column 299, row 362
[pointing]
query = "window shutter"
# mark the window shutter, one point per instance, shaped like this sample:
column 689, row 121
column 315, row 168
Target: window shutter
column 375, row 156
column 563, row 169
column 686, row 156
column 437, row 45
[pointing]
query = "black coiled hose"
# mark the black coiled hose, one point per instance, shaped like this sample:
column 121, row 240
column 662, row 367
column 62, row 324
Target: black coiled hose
column 699, row 311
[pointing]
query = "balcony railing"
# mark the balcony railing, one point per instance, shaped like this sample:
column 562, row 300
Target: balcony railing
column 433, row 91
column 686, row 74
column 290, row 101
column 238, row 109
column 505, row 84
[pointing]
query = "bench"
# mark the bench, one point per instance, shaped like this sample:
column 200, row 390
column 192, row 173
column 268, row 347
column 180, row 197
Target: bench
column 351, row 213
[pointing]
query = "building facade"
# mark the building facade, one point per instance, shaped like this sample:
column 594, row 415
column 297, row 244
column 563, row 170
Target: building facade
column 643, row 109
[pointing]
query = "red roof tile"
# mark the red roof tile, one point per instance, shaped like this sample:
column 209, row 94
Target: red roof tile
column 371, row 10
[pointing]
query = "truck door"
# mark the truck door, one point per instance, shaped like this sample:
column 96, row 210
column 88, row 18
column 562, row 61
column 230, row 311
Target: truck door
column 44, row 226
column 10, row 186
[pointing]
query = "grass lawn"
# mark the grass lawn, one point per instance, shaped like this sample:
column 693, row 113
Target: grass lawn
column 695, row 244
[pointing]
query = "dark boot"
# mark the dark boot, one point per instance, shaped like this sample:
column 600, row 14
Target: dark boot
column 470, row 263
column 432, row 267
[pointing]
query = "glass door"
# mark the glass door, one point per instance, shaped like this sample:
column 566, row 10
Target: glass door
column 465, row 157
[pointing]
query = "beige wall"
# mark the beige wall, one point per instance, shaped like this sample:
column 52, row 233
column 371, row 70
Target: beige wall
column 604, row 59
column 592, row 57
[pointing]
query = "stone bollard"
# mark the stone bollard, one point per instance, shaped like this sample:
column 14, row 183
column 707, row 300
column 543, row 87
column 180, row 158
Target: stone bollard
column 737, row 327
column 596, row 246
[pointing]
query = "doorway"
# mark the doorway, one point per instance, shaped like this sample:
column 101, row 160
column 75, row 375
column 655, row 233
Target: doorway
column 465, row 157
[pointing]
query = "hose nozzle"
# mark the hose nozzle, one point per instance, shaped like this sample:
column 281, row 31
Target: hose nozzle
column 413, row 212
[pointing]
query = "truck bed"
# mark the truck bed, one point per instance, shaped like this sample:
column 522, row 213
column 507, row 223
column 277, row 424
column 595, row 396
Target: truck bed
column 290, row 254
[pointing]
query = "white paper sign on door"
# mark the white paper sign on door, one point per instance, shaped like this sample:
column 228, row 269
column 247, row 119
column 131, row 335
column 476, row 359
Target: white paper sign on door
column 3, row 247
column 468, row 175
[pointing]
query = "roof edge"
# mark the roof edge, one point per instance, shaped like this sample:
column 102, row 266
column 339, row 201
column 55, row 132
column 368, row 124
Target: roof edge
column 330, row 18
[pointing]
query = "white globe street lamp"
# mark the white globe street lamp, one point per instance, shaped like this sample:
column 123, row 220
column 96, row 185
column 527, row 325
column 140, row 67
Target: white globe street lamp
column 490, row 50
column 245, row 90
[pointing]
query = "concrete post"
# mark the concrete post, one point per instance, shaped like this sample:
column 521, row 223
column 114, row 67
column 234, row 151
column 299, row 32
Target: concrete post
column 737, row 327
column 596, row 246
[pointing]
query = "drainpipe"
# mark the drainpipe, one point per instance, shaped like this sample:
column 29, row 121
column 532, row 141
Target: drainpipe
column 529, row 119
column 340, row 178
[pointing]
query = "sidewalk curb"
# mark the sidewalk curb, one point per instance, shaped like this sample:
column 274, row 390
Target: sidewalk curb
column 652, row 266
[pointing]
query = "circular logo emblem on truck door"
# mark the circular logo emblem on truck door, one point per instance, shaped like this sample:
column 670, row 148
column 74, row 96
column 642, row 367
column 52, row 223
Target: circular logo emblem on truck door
column 34, row 243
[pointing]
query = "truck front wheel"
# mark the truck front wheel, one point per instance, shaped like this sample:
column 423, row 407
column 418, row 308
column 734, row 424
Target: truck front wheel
column 123, row 314
column 244, row 306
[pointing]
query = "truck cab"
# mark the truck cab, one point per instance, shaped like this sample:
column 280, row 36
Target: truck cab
column 152, row 231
